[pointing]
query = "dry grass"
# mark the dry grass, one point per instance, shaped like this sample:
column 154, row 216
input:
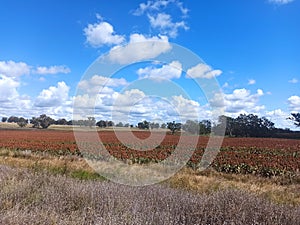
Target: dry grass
column 209, row 181
column 41, row 198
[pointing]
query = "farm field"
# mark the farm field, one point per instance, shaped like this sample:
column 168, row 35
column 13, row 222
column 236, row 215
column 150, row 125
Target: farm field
column 45, row 180
column 261, row 156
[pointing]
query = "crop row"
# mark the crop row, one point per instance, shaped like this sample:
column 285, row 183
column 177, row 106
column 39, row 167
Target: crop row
column 262, row 156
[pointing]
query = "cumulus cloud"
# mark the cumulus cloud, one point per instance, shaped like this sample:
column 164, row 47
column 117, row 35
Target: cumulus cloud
column 87, row 101
column 279, row 117
column 202, row 71
column 139, row 48
column 129, row 98
column 163, row 22
column 17, row 69
column 8, row 88
column 52, row 70
column 14, row 69
column 102, row 33
column 98, row 83
column 159, row 19
column 157, row 6
column 186, row 108
column 168, row 72
column 240, row 101
column 280, row 2
column 294, row 103
column 53, row 96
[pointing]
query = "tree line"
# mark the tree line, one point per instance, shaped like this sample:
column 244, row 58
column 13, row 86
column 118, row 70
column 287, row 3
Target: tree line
column 242, row 126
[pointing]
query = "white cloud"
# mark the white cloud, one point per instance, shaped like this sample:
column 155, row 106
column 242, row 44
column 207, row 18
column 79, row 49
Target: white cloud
column 139, row 48
column 17, row 69
column 102, row 33
column 202, row 71
column 164, row 23
column 101, row 84
column 129, row 98
column 14, row 69
column 151, row 6
column 251, row 82
column 240, row 101
column 52, row 70
column 279, row 118
column 136, row 105
column 160, row 19
column 86, row 101
column 294, row 103
column 293, row 81
column 169, row 71
column 280, row 2
column 8, row 88
column 159, row 5
column 53, row 96
column 187, row 109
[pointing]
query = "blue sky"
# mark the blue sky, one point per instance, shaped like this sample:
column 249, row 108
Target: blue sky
column 251, row 48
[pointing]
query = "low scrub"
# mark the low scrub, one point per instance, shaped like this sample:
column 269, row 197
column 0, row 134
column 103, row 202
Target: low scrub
column 40, row 198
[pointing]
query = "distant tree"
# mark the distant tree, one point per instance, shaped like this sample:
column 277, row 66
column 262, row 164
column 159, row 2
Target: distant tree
column 126, row 125
column 252, row 126
column 227, row 123
column 163, row 126
column 191, row 126
column 120, row 124
column 43, row 121
column 101, row 124
column 91, row 122
column 174, row 126
column 205, row 127
column 195, row 127
column 296, row 118
column 61, row 122
column 4, row 119
column 12, row 119
column 110, row 123
column 154, row 125
column 144, row 125
column 22, row 122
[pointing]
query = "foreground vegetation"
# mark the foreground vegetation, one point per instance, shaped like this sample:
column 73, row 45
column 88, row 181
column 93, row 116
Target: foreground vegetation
column 45, row 180
column 40, row 198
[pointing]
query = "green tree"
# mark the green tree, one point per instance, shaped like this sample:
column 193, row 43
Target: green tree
column 4, row 119
column 101, row 124
column 91, row 122
column 43, row 121
column 22, row 122
column 191, row 126
column 110, row 123
column 120, row 124
column 163, row 126
column 61, row 122
column 154, row 125
column 174, row 126
column 227, row 123
column 144, row 125
column 205, row 127
column 252, row 126
column 12, row 119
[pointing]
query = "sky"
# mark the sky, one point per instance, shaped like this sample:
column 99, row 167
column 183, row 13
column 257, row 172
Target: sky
column 50, row 50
